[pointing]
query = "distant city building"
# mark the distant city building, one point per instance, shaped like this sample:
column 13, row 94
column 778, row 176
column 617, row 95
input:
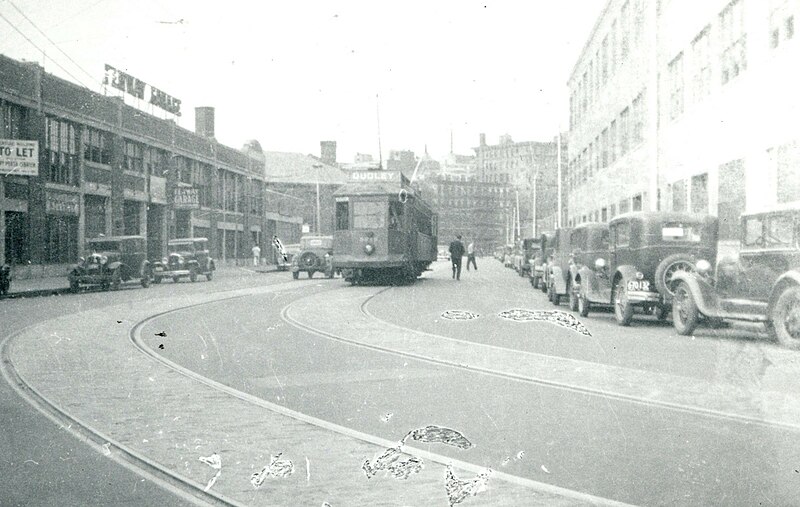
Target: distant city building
column 401, row 160
column 523, row 166
column 682, row 106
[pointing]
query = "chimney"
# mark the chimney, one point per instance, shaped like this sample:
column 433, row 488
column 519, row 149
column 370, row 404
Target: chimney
column 328, row 152
column 483, row 139
column 204, row 121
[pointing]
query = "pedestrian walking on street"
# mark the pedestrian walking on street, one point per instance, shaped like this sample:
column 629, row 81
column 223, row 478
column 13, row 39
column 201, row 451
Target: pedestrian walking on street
column 256, row 254
column 471, row 255
column 456, row 253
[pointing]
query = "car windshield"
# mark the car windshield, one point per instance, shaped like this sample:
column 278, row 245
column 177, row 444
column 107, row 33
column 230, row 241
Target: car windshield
column 104, row 246
column 677, row 231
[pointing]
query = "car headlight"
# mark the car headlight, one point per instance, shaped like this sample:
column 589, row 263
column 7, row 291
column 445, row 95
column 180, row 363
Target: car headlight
column 639, row 275
column 180, row 260
column 164, row 260
column 103, row 259
column 703, row 267
column 369, row 248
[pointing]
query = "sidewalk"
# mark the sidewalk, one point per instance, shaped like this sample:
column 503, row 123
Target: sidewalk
column 49, row 286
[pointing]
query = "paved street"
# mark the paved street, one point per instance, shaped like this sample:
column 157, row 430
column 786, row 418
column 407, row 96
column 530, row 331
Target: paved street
column 249, row 366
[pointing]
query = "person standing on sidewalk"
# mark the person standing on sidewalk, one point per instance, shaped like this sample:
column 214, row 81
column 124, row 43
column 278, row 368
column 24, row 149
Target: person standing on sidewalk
column 256, row 255
column 456, row 253
column 471, row 255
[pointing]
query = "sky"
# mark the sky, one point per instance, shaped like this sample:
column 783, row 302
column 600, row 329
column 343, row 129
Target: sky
column 291, row 74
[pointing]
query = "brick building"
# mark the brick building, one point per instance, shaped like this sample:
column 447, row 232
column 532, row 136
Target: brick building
column 108, row 168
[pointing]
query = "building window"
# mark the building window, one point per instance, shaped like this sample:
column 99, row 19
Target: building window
column 731, row 199
column 624, row 131
column 96, row 146
column 134, row 157
column 62, row 152
column 624, row 206
column 733, row 41
column 701, row 64
column 638, row 113
column 700, row 193
column 637, row 202
column 155, row 161
column 612, row 142
column 781, row 23
column 625, row 24
column 604, row 60
column 12, row 121
column 785, row 162
column 61, row 239
column 675, row 71
column 604, row 149
column 612, row 50
column 679, row 196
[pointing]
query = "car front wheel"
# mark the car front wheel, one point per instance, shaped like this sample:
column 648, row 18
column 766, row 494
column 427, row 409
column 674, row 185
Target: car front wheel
column 684, row 310
column 573, row 299
column 785, row 319
column 210, row 276
column 296, row 275
column 583, row 305
column 623, row 310
column 193, row 274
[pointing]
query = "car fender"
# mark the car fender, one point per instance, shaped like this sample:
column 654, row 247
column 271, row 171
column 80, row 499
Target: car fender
column 144, row 268
column 594, row 286
column 114, row 265
column 559, row 283
column 788, row 279
column 703, row 293
column 574, row 271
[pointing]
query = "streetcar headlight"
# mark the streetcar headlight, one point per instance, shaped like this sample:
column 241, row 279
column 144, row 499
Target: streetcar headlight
column 368, row 248
column 703, row 267
column 600, row 263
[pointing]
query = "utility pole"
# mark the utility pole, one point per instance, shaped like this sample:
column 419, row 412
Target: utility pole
column 558, row 161
column 319, row 220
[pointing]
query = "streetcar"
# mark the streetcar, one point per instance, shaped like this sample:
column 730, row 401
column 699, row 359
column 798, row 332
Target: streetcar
column 384, row 231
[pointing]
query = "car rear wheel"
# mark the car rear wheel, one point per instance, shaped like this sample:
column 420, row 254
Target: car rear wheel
column 553, row 296
column 146, row 279
column 623, row 310
column 295, row 275
column 210, row 276
column 74, row 286
column 661, row 312
column 116, row 280
column 175, row 279
column 311, row 273
column 156, row 279
column 785, row 319
column 583, row 305
column 573, row 299
column 684, row 310
column 193, row 274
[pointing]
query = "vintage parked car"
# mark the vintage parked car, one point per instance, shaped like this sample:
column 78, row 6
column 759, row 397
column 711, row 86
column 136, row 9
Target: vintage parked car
column 508, row 254
column 762, row 285
column 110, row 261
column 188, row 257
column 316, row 254
column 528, row 249
column 5, row 279
column 589, row 242
column 557, row 278
column 647, row 249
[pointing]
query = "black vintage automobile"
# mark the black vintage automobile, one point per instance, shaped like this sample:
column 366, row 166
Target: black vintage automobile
column 590, row 243
column 315, row 255
column 646, row 250
column 762, row 285
column 188, row 257
column 557, row 269
column 530, row 249
column 111, row 261
column 538, row 274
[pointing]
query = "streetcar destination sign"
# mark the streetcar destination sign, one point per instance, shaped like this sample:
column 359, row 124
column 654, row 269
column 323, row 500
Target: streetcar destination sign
column 19, row 158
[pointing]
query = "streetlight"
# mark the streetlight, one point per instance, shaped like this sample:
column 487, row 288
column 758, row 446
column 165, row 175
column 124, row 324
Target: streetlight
column 319, row 220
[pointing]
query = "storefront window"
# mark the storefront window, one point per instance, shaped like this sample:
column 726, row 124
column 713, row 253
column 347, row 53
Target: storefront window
column 342, row 216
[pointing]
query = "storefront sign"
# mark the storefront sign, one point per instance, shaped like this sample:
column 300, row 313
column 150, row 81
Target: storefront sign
column 20, row 158
column 141, row 90
column 57, row 203
column 185, row 198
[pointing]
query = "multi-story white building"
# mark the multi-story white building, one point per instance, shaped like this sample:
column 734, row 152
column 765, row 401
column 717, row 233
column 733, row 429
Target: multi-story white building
column 685, row 105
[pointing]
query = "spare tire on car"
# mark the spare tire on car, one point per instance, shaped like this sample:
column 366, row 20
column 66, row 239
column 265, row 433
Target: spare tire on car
column 308, row 260
column 668, row 267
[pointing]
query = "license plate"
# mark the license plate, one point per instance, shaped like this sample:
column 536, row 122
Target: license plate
column 639, row 285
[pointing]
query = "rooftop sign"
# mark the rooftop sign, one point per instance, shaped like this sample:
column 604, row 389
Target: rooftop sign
column 382, row 176
column 141, row 90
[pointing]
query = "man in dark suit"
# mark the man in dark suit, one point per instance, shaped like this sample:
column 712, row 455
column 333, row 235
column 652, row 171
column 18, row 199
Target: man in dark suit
column 456, row 253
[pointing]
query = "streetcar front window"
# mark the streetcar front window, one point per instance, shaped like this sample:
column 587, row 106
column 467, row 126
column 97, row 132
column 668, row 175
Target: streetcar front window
column 342, row 216
column 369, row 215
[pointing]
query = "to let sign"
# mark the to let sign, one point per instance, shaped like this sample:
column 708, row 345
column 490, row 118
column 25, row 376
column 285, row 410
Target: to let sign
column 185, row 198
column 20, row 158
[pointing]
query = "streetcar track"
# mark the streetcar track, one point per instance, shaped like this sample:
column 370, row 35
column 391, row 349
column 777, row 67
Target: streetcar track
column 677, row 407
column 98, row 441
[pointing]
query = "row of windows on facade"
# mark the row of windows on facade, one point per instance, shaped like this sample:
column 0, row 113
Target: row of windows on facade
column 471, row 190
column 606, row 213
column 625, row 31
column 519, row 163
column 377, row 215
column 623, row 134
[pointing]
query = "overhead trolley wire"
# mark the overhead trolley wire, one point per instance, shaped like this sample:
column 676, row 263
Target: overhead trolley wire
column 50, row 41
